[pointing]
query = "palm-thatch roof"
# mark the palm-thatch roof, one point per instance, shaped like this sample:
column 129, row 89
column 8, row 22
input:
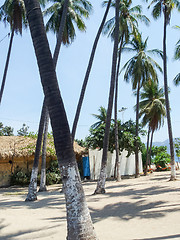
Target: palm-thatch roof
column 19, row 146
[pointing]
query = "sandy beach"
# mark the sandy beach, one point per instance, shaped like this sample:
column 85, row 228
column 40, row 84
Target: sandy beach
column 147, row 208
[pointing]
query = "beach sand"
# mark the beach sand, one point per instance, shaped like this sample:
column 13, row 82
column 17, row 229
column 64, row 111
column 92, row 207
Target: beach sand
column 146, row 208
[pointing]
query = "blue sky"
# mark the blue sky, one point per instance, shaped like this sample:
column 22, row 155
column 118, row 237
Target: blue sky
column 23, row 96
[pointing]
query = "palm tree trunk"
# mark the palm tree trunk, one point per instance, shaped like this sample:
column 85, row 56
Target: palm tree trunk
column 6, row 65
column 147, row 152
column 173, row 168
column 152, row 134
column 117, row 165
column 43, row 164
column 32, row 194
column 60, row 33
column 88, row 72
column 79, row 224
column 32, row 190
column 102, row 178
column 137, row 134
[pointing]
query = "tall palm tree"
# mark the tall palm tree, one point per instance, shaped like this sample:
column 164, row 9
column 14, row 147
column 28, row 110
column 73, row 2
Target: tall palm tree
column 128, row 23
column 79, row 224
column 166, row 7
column 102, row 178
column 152, row 109
column 62, row 8
column 88, row 70
column 139, row 69
column 43, row 125
column 13, row 13
column 77, row 10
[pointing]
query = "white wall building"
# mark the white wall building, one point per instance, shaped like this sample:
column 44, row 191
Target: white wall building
column 127, row 164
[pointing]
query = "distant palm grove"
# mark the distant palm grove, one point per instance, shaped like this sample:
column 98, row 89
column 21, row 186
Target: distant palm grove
column 122, row 22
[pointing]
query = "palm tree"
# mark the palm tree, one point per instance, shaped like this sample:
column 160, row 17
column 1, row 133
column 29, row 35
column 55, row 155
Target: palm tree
column 79, row 224
column 152, row 108
column 13, row 13
column 63, row 12
column 32, row 190
column 128, row 23
column 166, row 7
column 75, row 13
column 101, row 117
column 102, row 178
column 88, row 70
column 139, row 69
column 43, row 125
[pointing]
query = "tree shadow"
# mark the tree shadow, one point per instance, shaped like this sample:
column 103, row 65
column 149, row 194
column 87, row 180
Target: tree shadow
column 41, row 233
column 51, row 199
column 2, row 225
column 141, row 193
column 127, row 210
column 137, row 205
column 160, row 238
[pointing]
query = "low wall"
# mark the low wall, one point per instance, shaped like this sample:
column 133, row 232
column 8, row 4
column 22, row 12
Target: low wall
column 8, row 166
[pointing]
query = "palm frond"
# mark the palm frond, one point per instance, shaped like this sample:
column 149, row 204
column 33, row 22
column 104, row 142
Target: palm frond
column 176, row 80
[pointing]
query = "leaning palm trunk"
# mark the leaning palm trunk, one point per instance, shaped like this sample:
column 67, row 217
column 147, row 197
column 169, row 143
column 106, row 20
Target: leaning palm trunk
column 43, row 164
column 88, row 72
column 6, row 65
column 32, row 190
column 55, row 59
column 102, row 178
column 79, row 224
column 137, row 133
column 173, row 171
column 117, row 165
column 150, row 148
column 147, row 152
column 32, row 193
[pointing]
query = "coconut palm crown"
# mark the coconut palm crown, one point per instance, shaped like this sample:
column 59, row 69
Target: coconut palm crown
column 128, row 19
column 152, row 105
column 141, row 66
column 13, row 12
column 101, row 117
column 176, row 80
column 77, row 10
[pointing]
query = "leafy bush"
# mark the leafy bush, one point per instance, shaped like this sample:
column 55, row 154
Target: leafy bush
column 53, row 178
column 162, row 159
column 20, row 178
column 53, row 174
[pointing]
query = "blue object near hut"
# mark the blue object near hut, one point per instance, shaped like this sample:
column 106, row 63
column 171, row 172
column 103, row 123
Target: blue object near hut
column 86, row 167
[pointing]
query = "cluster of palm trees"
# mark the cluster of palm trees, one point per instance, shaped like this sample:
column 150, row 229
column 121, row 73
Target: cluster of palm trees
column 141, row 70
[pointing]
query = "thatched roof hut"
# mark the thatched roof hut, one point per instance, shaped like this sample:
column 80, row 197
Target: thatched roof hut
column 17, row 152
column 18, row 147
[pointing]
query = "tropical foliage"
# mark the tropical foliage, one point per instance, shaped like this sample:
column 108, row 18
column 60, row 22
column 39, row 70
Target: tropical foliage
column 126, row 137
column 160, row 157
column 77, row 10
column 6, row 131
column 177, row 147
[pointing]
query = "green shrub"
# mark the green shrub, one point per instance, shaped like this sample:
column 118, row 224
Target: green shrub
column 53, row 174
column 162, row 159
column 20, row 178
column 53, row 178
